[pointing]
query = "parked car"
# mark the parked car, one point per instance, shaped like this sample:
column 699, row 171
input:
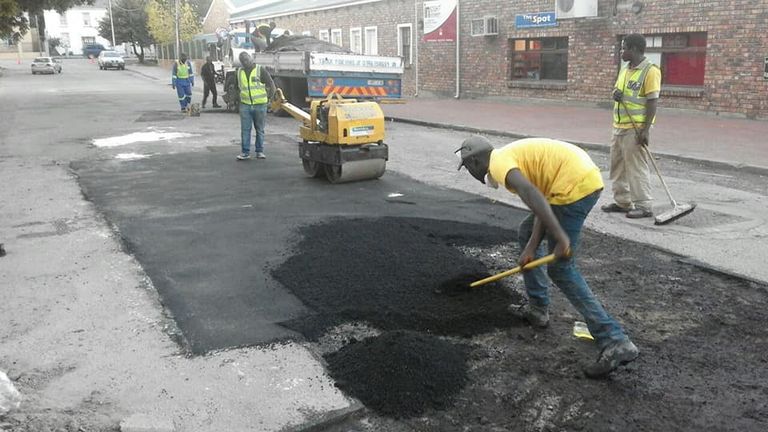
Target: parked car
column 45, row 65
column 111, row 59
column 92, row 50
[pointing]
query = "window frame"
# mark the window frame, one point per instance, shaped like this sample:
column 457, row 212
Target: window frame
column 324, row 35
column 400, row 27
column 336, row 33
column 558, row 50
column 87, row 23
column 359, row 31
column 654, row 45
column 63, row 20
column 366, row 48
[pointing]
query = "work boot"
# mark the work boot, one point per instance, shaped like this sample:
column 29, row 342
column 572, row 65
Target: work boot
column 639, row 213
column 614, row 208
column 536, row 316
column 614, row 355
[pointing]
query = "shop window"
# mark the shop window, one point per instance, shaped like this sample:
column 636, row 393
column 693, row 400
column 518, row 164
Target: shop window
column 681, row 57
column 540, row 59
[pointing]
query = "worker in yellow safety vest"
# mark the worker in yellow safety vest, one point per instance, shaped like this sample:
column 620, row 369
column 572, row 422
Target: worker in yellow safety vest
column 635, row 96
column 256, row 89
column 182, row 80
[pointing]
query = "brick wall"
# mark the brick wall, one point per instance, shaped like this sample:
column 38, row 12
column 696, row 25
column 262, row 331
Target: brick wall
column 737, row 42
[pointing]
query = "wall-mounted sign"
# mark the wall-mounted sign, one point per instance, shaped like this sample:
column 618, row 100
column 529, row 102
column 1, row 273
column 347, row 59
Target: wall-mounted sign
column 541, row 19
column 765, row 74
column 440, row 21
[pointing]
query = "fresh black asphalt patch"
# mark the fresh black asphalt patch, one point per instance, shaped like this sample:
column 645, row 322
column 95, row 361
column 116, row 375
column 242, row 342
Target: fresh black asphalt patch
column 247, row 253
column 209, row 230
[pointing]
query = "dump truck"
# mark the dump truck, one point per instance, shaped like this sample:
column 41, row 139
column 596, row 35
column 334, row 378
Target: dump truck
column 306, row 68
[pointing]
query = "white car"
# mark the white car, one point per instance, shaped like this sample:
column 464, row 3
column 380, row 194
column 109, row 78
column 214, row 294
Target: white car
column 111, row 60
column 46, row 65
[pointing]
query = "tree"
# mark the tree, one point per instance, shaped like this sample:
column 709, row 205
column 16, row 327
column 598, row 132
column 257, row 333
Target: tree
column 14, row 23
column 130, row 26
column 161, row 16
column 53, row 43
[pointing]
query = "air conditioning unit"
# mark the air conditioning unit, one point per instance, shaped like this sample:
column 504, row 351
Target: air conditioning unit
column 487, row 26
column 567, row 9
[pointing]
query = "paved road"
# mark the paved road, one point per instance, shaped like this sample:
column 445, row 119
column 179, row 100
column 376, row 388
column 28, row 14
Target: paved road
column 73, row 289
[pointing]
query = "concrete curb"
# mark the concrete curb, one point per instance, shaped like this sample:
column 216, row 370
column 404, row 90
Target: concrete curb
column 752, row 169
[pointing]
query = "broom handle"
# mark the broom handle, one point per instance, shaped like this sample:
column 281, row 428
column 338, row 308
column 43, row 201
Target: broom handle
column 663, row 183
column 650, row 156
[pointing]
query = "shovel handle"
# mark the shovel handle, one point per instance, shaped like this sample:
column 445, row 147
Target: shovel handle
column 533, row 264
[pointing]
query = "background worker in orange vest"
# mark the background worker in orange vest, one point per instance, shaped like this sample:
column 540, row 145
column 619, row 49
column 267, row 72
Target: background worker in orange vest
column 256, row 89
column 182, row 80
column 634, row 109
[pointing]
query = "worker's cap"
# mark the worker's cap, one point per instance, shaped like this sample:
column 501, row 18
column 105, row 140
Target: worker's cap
column 472, row 146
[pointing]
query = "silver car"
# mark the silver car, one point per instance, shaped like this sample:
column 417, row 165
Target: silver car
column 45, row 65
column 111, row 60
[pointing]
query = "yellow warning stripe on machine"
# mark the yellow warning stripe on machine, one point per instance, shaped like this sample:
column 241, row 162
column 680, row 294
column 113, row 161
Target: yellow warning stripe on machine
column 355, row 91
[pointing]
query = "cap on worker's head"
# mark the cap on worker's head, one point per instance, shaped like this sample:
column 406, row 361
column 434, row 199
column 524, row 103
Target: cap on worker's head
column 473, row 146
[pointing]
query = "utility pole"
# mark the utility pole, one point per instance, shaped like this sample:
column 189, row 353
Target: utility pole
column 178, row 47
column 112, row 23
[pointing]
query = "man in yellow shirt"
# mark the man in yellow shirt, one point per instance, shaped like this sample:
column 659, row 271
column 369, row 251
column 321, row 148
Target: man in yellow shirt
column 635, row 95
column 560, row 184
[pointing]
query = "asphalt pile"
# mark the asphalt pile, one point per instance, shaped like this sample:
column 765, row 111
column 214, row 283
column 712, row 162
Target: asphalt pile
column 407, row 278
column 304, row 43
column 395, row 274
column 401, row 374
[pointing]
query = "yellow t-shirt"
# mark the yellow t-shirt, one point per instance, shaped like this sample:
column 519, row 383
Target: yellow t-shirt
column 561, row 171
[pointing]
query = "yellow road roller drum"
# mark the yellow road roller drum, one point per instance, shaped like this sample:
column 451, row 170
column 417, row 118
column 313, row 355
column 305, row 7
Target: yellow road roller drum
column 342, row 139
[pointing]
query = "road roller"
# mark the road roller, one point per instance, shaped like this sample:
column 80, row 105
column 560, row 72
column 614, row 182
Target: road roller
column 341, row 139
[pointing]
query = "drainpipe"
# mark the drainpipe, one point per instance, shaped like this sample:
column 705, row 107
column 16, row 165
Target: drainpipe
column 458, row 59
column 416, row 45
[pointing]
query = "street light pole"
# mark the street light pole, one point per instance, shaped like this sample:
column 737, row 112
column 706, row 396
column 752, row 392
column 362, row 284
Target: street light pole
column 112, row 23
column 177, row 28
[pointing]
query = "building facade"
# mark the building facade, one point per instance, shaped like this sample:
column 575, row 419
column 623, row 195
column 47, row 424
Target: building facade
column 713, row 53
column 77, row 27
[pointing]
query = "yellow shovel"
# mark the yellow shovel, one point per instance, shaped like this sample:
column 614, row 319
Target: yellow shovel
column 533, row 264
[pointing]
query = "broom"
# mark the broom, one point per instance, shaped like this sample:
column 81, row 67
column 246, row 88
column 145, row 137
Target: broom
column 678, row 209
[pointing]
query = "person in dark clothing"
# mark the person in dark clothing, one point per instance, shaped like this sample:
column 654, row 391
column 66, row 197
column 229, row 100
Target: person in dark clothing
column 256, row 89
column 208, row 73
column 266, row 31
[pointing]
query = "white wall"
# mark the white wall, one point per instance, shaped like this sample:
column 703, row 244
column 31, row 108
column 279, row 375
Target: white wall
column 75, row 27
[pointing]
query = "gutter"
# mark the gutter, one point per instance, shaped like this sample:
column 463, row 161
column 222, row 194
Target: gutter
column 458, row 44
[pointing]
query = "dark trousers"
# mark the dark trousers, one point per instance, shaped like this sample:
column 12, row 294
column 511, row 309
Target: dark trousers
column 210, row 87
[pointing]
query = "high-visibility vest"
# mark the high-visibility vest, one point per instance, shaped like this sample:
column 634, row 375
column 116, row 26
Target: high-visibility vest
column 182, row 70
column 252, row 90
column 630, row 82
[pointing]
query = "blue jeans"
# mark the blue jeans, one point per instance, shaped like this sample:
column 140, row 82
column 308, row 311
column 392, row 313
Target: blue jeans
column 566, row 276
column 256, row 116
